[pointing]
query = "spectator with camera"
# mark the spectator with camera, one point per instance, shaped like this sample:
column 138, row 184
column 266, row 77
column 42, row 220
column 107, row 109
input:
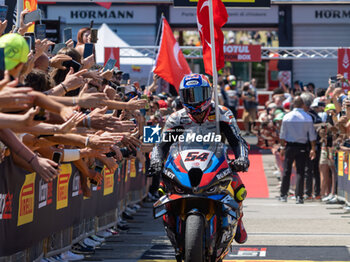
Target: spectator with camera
column 250, row 103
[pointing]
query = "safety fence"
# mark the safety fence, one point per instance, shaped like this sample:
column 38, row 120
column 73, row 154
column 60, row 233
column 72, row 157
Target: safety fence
column 342, row 167
column 38, row 218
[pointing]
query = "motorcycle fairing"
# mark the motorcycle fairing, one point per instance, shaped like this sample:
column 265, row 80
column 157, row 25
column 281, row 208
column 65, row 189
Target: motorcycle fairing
column 179, row 167
column 231, row 207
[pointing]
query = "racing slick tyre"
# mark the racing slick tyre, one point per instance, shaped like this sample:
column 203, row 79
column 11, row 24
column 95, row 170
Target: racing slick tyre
column 194, row 238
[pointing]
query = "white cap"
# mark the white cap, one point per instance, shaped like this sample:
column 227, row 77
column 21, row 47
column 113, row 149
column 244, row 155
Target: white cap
column 315, row 102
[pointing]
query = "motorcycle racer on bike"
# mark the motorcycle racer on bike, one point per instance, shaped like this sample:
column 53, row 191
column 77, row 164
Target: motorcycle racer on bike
column 199, row 111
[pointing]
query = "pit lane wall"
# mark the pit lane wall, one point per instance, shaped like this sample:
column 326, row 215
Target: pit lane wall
column 38, row 218
column 342, row 166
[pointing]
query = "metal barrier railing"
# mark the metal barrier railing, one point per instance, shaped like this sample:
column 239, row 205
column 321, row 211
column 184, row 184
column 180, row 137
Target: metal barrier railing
column 267, row 53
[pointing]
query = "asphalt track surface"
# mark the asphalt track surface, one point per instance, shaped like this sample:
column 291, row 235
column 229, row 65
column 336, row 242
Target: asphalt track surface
column 277, row 232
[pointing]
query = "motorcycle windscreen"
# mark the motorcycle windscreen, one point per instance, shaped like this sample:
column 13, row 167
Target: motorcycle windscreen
column 210, row 158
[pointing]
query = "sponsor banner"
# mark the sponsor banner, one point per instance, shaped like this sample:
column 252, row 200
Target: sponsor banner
column 344, row 65
column 62, row 186
column 340, row 163
column 228, row 3
column 27, row 212
column 348, row 170
column 132, row 168
column 235, row 16
column 108, row 181
column 128, row 14
column 26, row 201
column 76, row 190
column 45, row 193
column 345, row 165
column 343, row 175
column 320, row 14
column 6, row 206
column 242, row 53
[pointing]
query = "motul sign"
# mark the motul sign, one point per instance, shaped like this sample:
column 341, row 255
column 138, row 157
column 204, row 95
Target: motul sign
column 344, row 64
column 242, row 53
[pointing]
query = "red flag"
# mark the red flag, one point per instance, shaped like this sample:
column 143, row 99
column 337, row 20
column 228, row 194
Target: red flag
column 171, row 64
column 112, row 53
column 344, row 65
column 105, row 4
column 220, row 18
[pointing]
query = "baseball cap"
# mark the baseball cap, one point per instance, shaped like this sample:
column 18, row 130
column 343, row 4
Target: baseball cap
column 231, row 80
column 329, row 107
column 130, row 89
column 16, row 50
column 162, row 104
column 315, row 102
column 286, row 105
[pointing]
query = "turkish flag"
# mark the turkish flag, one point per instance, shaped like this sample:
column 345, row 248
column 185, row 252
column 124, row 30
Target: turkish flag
column 220, row 17
column 112, row 53
column 344, row 65
column 171, row 65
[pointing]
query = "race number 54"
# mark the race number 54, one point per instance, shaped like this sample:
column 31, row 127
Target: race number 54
column 191, row 156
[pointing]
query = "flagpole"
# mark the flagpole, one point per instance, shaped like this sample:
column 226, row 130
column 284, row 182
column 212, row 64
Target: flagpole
column 155, row 48
column 20, row 8
column 213, row 61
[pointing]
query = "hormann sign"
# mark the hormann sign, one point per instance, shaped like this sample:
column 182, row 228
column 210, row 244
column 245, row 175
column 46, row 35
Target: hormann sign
column 228, row 3
column 236, row 15
column 321, row 14
column 114, row 15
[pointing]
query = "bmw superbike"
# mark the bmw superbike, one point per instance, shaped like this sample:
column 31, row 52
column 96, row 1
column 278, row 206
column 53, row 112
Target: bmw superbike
column 199, row 210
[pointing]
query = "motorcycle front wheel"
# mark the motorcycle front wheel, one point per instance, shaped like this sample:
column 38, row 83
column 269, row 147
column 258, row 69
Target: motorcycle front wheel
column 194, row 238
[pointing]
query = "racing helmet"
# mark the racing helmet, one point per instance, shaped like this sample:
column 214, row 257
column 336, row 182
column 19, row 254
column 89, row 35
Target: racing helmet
column 195, row 93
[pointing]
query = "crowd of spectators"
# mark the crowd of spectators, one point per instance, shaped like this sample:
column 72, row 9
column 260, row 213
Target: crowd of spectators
column 232, row 92
column 65, row 107
column 329, row 111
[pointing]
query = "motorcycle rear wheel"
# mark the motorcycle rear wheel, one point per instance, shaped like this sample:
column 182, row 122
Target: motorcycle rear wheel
column 194, row 248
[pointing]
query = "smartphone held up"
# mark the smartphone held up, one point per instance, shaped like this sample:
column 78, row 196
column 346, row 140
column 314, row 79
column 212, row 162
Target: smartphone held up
column 32, row 16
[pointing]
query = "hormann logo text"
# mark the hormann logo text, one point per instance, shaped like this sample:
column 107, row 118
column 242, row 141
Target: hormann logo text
column 96, row 14
column 332, row 14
